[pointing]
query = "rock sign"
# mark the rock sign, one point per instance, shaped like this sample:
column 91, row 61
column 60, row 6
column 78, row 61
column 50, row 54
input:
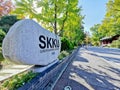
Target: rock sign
column 28, row 43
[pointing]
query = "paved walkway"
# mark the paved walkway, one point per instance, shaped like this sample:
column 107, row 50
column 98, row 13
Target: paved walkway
column 10, row 70
column 88, row 71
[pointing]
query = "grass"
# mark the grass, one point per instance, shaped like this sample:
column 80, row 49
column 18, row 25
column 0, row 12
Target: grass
column 1, row 56
column 4, row 62
column 17, row 81
column 64, row 54
column 1, row 59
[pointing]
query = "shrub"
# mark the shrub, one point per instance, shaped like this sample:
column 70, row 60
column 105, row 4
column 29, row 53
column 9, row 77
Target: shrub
column 63, row 54
column 116, row 43
column 2, row 35
column 66, row 44
column 1, row 57
column 7, row 21
column 17, row 81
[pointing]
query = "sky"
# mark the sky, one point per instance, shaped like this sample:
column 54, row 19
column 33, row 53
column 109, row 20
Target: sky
column 94, row 11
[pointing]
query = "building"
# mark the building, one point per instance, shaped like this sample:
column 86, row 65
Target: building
column 106, row 41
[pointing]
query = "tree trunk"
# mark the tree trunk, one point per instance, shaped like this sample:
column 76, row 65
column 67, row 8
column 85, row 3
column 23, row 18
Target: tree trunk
column 55, row 23
column 63, row 24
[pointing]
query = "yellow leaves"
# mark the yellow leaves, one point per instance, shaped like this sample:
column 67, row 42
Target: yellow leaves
column 117, row 1
column 111, row 23
column 118, row 21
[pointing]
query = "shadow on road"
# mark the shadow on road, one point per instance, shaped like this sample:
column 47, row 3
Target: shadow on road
column 115, row 70
column 66, row 81
column 104, row 50
column 112, row 69
column 116, row 60
column 85, row 74
column 96, row 81
column 79, row 58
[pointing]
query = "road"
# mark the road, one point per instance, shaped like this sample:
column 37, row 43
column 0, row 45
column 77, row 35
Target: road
column 92, row 69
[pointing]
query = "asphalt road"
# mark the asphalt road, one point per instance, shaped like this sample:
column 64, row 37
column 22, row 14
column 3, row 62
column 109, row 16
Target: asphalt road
column 92, row 69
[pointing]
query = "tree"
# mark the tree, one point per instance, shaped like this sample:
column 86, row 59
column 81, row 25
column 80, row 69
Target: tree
column 7, row 21
column 62, row 17
column 113, row 13
column 2, row 35
column 54, row 14
column 96, row 35
column 5, row 7
column 87, row 38
column 111, row 23
column 25, row 8
column 79, row 36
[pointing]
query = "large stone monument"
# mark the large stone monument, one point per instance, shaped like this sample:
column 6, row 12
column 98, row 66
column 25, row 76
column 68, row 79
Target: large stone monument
column 28, row 43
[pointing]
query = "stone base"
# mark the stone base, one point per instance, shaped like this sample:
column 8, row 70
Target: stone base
column 43, row 68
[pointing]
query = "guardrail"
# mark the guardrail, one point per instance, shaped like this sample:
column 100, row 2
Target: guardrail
column 42, row 80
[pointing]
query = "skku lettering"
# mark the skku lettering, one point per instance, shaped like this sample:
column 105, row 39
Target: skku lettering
column 48, row 42
column 42, row 40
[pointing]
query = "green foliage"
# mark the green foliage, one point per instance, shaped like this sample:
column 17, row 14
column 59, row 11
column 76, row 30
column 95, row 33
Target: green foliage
column 63, row 54
column 17, row 81
column 2, row 35
column 1, row 57
column 96, row 35
column 111, row 23
column 116, row 43
column 6, row 22
column 87, row 39
column 75, row 35
column 25, row 8
column 62, row 17
column 59, row 16
column 66, row 44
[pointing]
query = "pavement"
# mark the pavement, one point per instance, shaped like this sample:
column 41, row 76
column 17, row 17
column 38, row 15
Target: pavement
column 10, row 70
column 92, row 69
